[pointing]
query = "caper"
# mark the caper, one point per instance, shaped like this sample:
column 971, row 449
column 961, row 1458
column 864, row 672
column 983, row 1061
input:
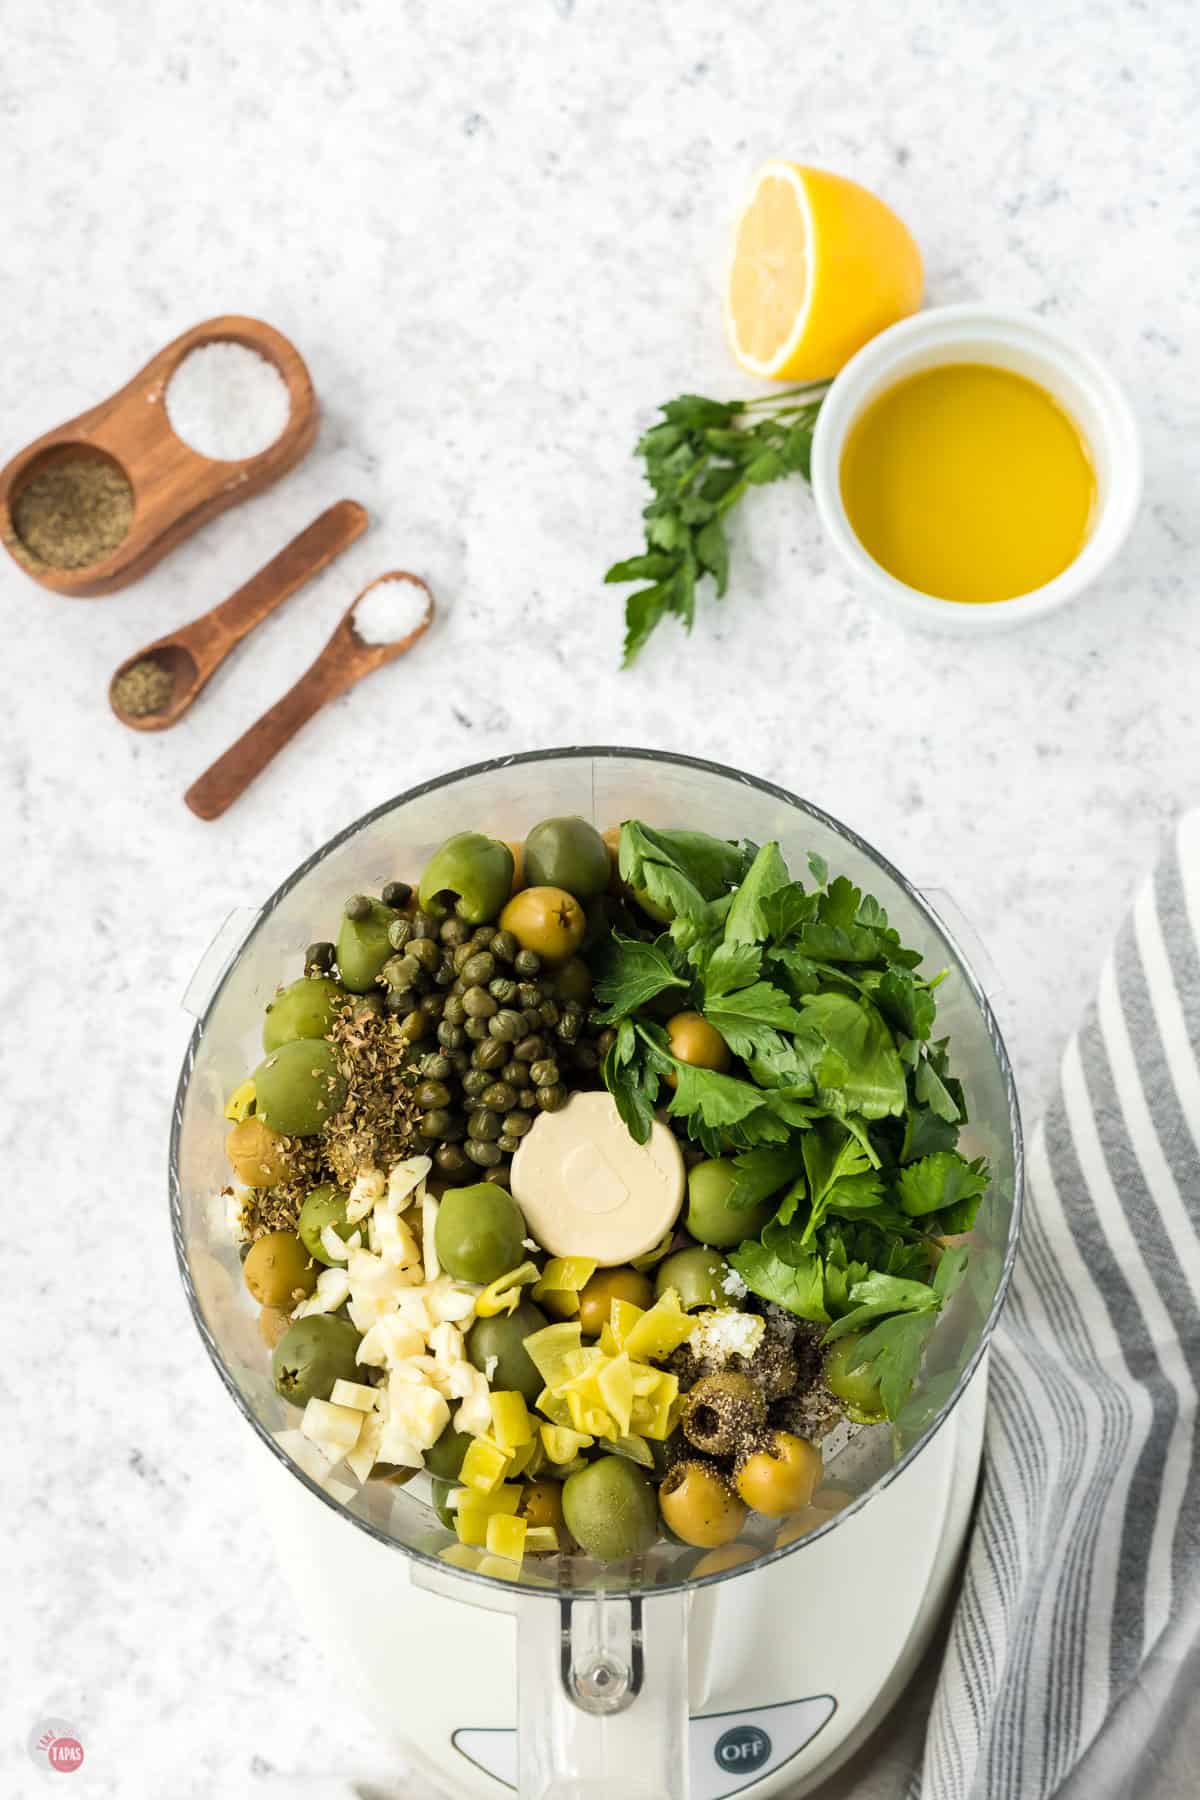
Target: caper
column 527, row 962
column 400, row 971
column 479, row 1003
column 530, row 1049
column 424, row 926
column 399, row 1002
column 491, row 1054
column 529, row 993
column 452, row 1160
column 483, row 1124
column 476, row 1030
column 451, row 1037
column 358, row 907
column 475, row 1083
column 399, row 932
column 432, row 1005
column 515, row 1073
column 424, row 951
column 504, row 946
column 455, row 1009
column 586, row 1056
column 544, row 1073
column 606, row 1040
column 516, row 1124
column 510, row 1145
column 461, row 954
column 479, row 968
column 527, row 1099
column 503, row 989
column 444, row 973
column 432, row 1093
column 460, row 1061
column 548, row 1013
column 414, row 1027
column 396, row 893
column 499, row 1097
column 319, row 956
column 568, row 1027
column 507, row 1025
column 367, row 1003
column 436, row 1122
column 435, row 1066
column 485, row 1156
column 454, row 931
column 551, row 1097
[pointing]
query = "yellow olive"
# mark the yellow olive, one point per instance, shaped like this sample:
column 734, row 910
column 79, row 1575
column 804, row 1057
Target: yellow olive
column 781, row 1480
column 691, row 1039
column 273, row 1321
column 518, row 855
column 546, row 920
column 279, row 1267
column 721, row 1409
column 254, row 1150
column 698, row 1506
column 606, row 1286
column 541, row 1504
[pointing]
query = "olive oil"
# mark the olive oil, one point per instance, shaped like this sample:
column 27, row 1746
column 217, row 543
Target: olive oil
column 968, row 482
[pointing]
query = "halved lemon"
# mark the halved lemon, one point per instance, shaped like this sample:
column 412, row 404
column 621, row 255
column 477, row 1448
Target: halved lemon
column 819, row 267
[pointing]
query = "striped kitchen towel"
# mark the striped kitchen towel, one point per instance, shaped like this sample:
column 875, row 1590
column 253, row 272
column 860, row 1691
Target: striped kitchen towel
column 1073, row 1664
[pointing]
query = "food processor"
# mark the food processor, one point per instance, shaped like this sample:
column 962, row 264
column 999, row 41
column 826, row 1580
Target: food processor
column 758, row 1667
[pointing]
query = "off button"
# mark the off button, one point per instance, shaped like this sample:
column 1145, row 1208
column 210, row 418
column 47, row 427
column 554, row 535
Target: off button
column 742, row 1750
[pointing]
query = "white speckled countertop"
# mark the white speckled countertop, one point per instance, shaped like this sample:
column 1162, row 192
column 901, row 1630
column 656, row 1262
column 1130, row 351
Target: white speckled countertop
column 497, row 236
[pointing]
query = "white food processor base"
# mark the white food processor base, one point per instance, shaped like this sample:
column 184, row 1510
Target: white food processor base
column 791, row 1668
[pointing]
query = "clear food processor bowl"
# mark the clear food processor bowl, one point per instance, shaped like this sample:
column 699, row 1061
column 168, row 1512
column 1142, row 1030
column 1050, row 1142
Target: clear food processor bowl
column 602, row 1651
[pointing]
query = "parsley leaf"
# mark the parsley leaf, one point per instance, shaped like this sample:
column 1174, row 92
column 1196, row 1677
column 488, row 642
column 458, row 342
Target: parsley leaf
column 800, row 1288
column 632, row 1079
column 730, row 967
column 751, row 1019
column 871, row 1076
column 941, row 1180
column 746, row 923
column 761, row 1173
column 634, row 972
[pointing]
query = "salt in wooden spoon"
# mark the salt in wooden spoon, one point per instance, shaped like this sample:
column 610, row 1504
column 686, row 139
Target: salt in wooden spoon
column 192, row 654
column 344, row 660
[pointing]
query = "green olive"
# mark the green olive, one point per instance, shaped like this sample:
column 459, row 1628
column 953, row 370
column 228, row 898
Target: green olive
column 480, row 1230
column 709, row 1216
column 363, row 945
column 691, row 1039
column 470, row 872
column 445, row 1460
column 326, row 1205
column 856, row 1387
column 783, row 1479
column 721, row 1409
column 698, row 1506
column 609, row 1509
column 442, row 1491
column 306, row 1009
column 547, row 921
column 504, row 1338
column 573, row 981
column 277, row 1270
column 697, row 1275
column 607, row 1285
column 255, row 1152
column 313, row 1354
column 299, row 1087
column 567, row 853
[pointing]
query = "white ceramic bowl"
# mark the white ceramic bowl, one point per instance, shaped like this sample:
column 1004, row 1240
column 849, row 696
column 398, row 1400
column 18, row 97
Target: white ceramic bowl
column 1008, row 339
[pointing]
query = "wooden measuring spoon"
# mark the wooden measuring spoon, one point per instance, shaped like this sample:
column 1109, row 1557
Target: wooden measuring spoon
column 344, row 660
column 175, row 489
column 193, row 653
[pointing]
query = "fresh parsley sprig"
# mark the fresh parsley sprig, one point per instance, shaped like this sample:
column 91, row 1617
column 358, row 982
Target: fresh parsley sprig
column 700, row 460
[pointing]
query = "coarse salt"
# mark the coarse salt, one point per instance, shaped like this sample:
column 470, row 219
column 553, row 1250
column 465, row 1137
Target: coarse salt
column 227, row 402
column 390, row 610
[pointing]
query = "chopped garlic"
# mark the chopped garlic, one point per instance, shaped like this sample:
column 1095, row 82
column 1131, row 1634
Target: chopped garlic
column 333, row 1429
column 447, row 1343
column 474, row 1414
column 725, row 1333
column 336, row 1248
column 393, row 1238
column 416, row 1412
column 451, row 1300
column 305, row 1455
column 390, row 1340
column 365, row 1454
column 369, row 1187
column 332, row 1290
column 353, row 1393
column 404, row 1180
column 429, row 1213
